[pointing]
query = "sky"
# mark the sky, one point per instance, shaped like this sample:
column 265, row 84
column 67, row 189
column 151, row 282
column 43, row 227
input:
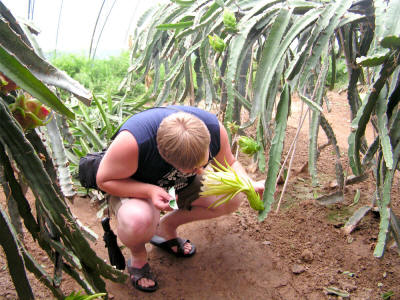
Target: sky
column 77, row 22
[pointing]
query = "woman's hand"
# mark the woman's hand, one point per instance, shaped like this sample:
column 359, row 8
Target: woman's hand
column 259, row 187
column 160, row 198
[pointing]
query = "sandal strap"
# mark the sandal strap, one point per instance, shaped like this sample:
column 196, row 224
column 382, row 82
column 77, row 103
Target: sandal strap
column 177, row 242
column 139, row 273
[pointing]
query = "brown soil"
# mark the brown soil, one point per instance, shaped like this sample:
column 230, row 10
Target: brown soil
column 295, row 253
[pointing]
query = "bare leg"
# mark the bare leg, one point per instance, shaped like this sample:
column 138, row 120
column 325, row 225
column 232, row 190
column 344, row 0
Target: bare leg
column 137, row 222
column 200, row 211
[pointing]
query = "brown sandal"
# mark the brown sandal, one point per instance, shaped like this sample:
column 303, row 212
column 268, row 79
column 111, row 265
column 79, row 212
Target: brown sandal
column 160, row 242
column 138, row 273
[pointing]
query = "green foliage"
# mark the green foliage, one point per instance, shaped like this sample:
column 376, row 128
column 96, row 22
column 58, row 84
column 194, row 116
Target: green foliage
column 248, row 145
column 230, row 21
column 341, row 75
column 79, row 296
column 232, row 127
column 387, row 295
column 98, row 75
column 11, row 67
column 302, row 45
column 391, row 42
column 95, row 125
column 217, row 43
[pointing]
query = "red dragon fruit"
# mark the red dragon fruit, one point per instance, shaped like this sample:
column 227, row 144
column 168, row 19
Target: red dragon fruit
column 29, row 112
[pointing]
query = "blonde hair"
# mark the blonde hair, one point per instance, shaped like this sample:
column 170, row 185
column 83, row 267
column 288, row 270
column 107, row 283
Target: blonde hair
column 183, row 140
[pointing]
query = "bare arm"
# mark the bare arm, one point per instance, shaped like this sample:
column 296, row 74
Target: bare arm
column 118, row 165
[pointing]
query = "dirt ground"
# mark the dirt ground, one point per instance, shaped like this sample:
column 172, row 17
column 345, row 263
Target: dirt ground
column 295, row 253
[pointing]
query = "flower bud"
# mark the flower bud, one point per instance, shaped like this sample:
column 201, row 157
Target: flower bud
column 248, row 145
column 217, row 43
column 229, row 20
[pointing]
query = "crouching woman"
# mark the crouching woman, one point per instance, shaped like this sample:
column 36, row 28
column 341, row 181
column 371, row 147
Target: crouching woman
column 155, row 150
